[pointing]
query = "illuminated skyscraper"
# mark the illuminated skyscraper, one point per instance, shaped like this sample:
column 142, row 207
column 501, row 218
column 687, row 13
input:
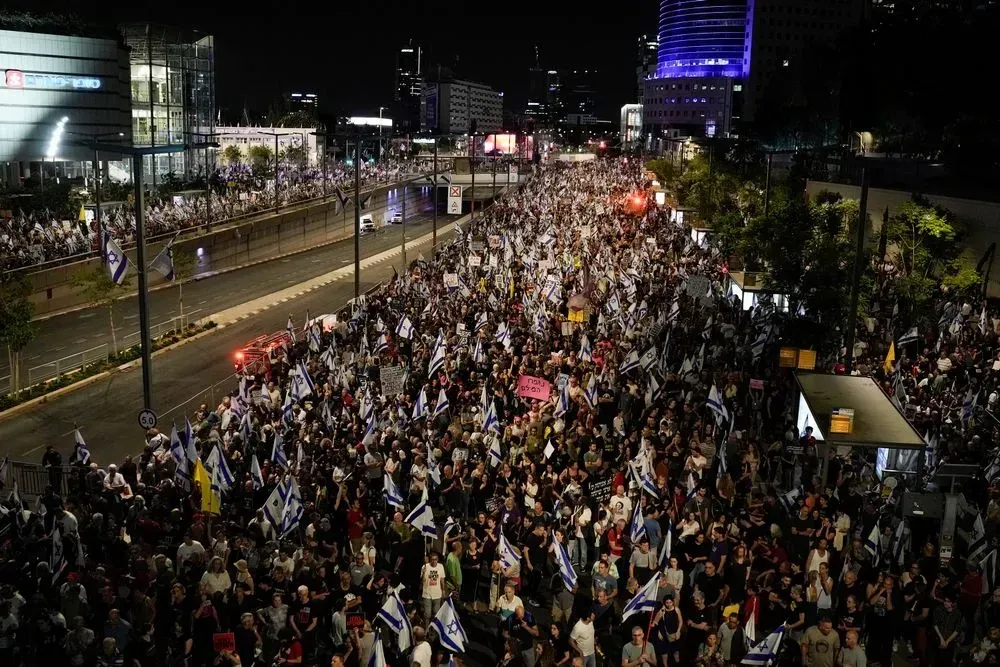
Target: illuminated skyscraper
column 704, row 38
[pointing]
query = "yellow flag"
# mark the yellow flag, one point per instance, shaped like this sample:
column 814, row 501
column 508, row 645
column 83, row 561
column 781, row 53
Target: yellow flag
column 209, row 499
column 890, row 357
column 82, row 217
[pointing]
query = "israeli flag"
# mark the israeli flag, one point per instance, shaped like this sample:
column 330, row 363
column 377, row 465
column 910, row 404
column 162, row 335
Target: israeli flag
column 566, row 570
column 377, row 658
column 176, row 447
column 491, row 422
column 668, row 546
column 80, row 452
column 481, row 322
column 255, row 473
column 631, row 361
column 765, row 653
column 301, row 384
column 910, row 336
column 873, row 546
column 653, row 390
column 393, row 613
column 442, row 403
column 968, row 406
column 648, row 359
column 563, row 406
column 291, row 515
column 329, row 357
column 392, row 494
column 495, row 454
column 585, row 354
column 278, row 451
column 290, row 328
column 420, row 408
column 645, row 480
column 164, row 262
column 477, row 355
column 637, row 529
column 978, row 542
column 422, row 518
column 189, row 442
column 220, row 470
column 433, row 469
column 381, row 344
column 716, row 405
column 405, row 328
column 509, row 556
column 503, row 335
column 590, row 392
column 437, row 357
column 645, row 598
column 116, row 258
column 449, row 628
column 314, row 338
column 988, row 568
column 246, row 428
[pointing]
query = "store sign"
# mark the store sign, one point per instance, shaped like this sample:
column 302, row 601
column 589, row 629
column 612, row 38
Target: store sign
column 15, row 78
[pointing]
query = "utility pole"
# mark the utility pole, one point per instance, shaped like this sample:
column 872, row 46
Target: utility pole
column 434, row 197
column 357, row 216
column 859, row 251
column 140, row 260
column 97, row 205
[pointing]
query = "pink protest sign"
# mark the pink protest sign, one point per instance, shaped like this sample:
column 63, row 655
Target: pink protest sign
column 532, row 387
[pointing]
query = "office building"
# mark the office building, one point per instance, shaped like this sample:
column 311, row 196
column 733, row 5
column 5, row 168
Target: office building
column 647, row 52
column 302, row 102
column 454, row 106
column 45, row 78
column 716, row 57
column 579, row 96
column 631, row 125
column 406, row 95
column 173, row 96
column 244, row 138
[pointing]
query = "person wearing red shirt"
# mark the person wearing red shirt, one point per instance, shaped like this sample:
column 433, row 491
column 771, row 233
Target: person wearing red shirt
column 290, row 652
column 355, row 525
column 616, row 536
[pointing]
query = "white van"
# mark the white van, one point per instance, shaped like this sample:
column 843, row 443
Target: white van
column 367, row 223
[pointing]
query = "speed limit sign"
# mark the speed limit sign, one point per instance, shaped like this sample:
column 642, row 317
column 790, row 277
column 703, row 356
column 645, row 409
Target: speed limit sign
column 147, row 419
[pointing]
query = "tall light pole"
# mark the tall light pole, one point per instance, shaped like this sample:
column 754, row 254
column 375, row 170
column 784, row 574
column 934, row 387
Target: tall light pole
column 277, row 201
column 357, row 216
column 208, row 184
column 434, row 197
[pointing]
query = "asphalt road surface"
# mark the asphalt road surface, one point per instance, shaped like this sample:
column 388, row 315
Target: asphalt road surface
column 64, row 335
column 200, row 371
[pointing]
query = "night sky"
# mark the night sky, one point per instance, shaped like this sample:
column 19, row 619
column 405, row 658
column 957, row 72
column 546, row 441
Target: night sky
column 348, row 56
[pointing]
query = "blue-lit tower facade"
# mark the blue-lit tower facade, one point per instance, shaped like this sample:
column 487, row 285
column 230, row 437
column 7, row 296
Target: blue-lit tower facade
column 703, row 59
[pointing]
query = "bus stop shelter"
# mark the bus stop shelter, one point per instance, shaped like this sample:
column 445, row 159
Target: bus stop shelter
column 852, row 411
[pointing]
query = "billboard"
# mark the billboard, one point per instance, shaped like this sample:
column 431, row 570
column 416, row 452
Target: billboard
column 501, row 143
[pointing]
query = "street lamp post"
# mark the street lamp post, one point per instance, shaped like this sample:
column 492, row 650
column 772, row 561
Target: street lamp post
column 275, row 135
column 357, row 216
column 434, row 197
column 472, row 168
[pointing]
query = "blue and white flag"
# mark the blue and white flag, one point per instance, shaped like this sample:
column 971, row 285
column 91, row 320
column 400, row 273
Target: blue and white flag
column 503, row 335
column 255, row 473
column 481, row 322
column 392, row 494
column 222, row 477
column 637, row 529
column 645, row 598
column 667, row 548
column 716, row 405
column 988, row 568
column 290, row 328
column 405, row 328
column 381, row 344
column 377, row 658
column 315, row 341
column 184, row 467
column 586, row 354
column 590, row 392
column 164, row 262
column 438, row 355
column 873, row 545
column 292, row 512
column 449, row 628
column 433, row 469
column 509, row 555
column 421, row 409
column 968, row 406
column 80, row 452
column 630, row 362
column 495, row 454
column 490, row 422
column 978, row 541
column 278, row 451
column 422, row 518
column 644, row 479
column 302, row 383
column 116, row 259
column 393, row 613
column 566, row 570
column 562, row 407
column 442, row 403
column 765, row 653
column 477, row 355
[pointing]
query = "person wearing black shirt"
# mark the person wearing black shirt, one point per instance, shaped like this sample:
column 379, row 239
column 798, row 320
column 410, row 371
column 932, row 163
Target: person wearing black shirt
column 709, row 583
column 522, row 627
column 535, row 544
column 696, row 620
column 246, row 639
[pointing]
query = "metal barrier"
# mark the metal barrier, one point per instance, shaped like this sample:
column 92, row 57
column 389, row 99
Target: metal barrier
column 32, row 478
column 178, row 323
column 54, row 369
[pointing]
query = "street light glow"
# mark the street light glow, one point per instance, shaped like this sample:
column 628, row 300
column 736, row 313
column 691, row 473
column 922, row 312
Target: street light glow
column 56, row 137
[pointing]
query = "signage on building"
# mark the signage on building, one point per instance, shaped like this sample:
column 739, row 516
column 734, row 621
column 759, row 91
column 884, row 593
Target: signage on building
column 15, row 78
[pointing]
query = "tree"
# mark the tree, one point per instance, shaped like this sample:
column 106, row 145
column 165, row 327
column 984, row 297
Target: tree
column 232, row 154
column 925, row 246
column 97, row 287
column 184, row 264
column 16, row 327
column 259, row 157
column 296, row 155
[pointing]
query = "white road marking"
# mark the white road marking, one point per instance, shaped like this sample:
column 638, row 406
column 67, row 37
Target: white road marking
column 83, row 316
column 79, row 340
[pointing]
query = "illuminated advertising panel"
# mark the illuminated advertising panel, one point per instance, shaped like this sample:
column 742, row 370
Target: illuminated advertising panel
column 502, row 143
column 14, row 78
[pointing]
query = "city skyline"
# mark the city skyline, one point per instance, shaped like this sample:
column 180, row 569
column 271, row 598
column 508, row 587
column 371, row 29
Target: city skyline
column 495, row 47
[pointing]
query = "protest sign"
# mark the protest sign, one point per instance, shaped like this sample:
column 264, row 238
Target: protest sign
column 224, row 641
column 475, row 260
column 392, row 380
column 530, row 386
column 494, row 241
column 450, row 280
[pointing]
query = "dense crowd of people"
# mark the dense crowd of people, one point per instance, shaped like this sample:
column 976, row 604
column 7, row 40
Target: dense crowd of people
column 558, row 441
column 32, row 238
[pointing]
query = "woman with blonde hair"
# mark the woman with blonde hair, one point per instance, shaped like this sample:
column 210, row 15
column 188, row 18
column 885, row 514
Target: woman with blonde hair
column 216, row 579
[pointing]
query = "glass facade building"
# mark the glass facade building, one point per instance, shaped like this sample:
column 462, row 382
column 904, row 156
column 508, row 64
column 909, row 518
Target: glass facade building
column 703, row 38
column 173, row 96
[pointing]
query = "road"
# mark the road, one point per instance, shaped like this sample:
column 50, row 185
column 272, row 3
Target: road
column 61, row 336
column 199, row 371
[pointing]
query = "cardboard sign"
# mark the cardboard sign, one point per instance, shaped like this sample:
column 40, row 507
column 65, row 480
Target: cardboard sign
column 355, row 621
column 450, row 280
column 545, row 264
column 224, row 641
column 476, row 246
column 494, row 241
column 562, row 380
column 537, row 388
column 255, row 396
column 599, row 490
column 756, row 384
column 475, row 260
column 392, row 380
column 586, row 231
column 567, row 328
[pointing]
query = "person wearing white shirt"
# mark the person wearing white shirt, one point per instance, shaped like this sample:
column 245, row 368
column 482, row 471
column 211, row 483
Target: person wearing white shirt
column 582, row 639
column 421, row 656
column 114, row 482
column 190, row 548
column 432, row 585
column 621, row 505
